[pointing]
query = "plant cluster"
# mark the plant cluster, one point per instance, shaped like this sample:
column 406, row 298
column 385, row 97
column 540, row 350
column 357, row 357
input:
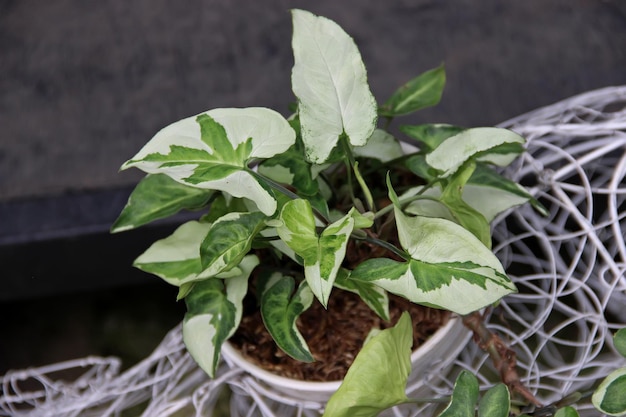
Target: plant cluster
column 282, row 200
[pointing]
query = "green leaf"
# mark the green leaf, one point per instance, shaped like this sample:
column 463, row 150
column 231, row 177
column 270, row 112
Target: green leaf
column 381, row 145
column 566, row 412
column 176, row 258
column 155, row 197
column 609, row 397
column 449, row 267
column 487, row 144
column 375, row 297
column 464, row 397
column 431, row 135
column 491, row 194
column 422, row 91
column 378, row 376
column 214, row 309
column 330, row 82
column 495, row 403
column 280, row 308
column 228, row 240
column 619, row 340
column 463, row 213
column 322, row 255
column 211, row 151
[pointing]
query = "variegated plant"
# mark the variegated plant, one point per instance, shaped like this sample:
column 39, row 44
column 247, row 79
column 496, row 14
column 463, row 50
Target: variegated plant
column 283, row 199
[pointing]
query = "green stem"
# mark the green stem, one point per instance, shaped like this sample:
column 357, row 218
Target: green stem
column 369, row 200
column 383, row 211
column 384, row 244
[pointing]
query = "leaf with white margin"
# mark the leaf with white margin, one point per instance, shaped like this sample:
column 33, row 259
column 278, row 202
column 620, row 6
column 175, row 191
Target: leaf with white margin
column 381, row 145
column 176, row 258
column 487, row 144
column 214, row 309
column 211, row 151
column 378, row 376
column 280, row 308
column 322, row 255
column 228, row 240
column 448, row 268
column 330, row 81
column 375, row 297
column 156, row 197
column 609, row 397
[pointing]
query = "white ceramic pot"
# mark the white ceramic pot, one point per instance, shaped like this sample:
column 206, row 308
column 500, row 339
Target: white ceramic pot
column 435, row 355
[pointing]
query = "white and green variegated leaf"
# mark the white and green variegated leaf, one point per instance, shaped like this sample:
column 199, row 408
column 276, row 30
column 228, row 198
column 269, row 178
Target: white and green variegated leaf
column 448, row 268
column 609, row 397
column 176, row 258
column 486, row 144
column 491, row 194
column 375, row 297
column 211, row 151
column 280, row 308
column 464, row 397
column 321, row 255
column 496, row 402
column 155, row 197
column 378, row 376
column 214, row 309
column 330, row 82
column 228, row 240
column 381, row 145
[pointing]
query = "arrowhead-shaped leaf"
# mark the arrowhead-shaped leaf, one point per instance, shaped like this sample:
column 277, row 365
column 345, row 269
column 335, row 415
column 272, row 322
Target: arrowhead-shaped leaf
column 377, row 378
column 330, row 82
column 214, row 309
column 211, row 151
column 464, row 397
column 156, row 197
column 280, row 308
column 228, row 240
column 176, row 258
column 422, row 91
column 488, row 144
column 322, row 255
column 496, row 402
column 449, row 267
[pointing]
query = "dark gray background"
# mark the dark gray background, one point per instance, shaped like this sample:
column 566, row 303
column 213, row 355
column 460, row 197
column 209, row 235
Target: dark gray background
column 84, row 84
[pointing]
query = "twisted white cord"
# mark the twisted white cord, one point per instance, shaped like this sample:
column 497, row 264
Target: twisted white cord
column 569, row 267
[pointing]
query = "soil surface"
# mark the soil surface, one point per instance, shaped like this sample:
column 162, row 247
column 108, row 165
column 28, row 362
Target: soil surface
column 335, row 336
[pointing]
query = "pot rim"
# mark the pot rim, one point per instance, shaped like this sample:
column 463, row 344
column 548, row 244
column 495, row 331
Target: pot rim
column 233, row 357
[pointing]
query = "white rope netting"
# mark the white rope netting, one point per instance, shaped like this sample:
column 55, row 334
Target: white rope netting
column 570, row 269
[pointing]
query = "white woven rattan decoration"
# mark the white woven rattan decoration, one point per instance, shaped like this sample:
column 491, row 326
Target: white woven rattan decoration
column 570, row 268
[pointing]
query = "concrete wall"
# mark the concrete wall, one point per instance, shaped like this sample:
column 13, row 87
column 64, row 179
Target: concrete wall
column 83, row 83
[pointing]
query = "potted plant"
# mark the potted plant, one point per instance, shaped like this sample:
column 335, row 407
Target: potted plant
column 295, row 211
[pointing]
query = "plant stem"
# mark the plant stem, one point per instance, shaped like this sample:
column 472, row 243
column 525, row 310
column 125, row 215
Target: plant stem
column 503, row 357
